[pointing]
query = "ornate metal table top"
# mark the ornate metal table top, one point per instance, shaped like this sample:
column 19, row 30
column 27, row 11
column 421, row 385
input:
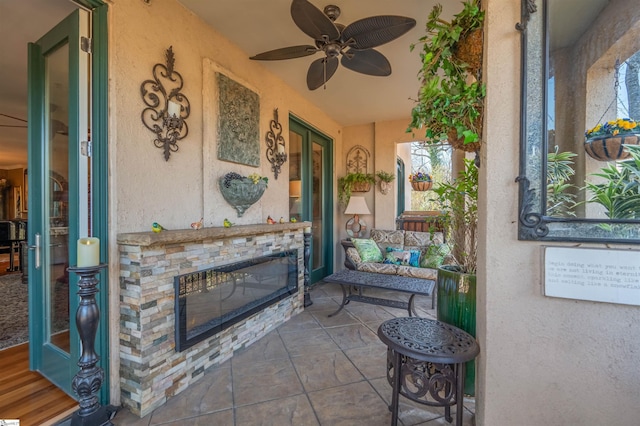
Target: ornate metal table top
column 428, row 340
column 391, row 282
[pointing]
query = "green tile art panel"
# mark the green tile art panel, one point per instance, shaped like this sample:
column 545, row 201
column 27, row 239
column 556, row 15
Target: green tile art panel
column 238, row 122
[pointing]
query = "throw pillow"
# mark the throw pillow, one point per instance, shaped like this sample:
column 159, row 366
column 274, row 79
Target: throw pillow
column 434, row 256
column 367, row 249
column 406, row 257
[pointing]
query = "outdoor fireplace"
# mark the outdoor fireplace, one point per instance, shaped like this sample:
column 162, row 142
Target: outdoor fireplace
column 242, row 305
column 209, row 301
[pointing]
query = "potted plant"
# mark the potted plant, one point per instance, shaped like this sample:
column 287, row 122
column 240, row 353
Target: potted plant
column 385, row 179
column 456, row 281
column 619, row 192
column 450, row 100
column 605, row 142
column 354, row 182
column 421, row 181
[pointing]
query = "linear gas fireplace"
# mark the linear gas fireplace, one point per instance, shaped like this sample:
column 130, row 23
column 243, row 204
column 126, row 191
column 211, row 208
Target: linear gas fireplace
column 209, row 301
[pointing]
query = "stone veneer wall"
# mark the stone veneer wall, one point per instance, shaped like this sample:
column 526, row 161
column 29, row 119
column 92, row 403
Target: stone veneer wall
column 151, row 371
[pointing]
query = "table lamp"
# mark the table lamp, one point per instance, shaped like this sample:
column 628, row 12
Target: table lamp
column 356, row 227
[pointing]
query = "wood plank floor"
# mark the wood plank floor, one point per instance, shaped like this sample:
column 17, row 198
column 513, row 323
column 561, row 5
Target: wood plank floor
column 26, row 395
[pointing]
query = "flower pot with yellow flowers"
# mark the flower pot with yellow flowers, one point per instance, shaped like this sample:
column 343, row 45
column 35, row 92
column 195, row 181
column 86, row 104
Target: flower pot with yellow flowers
column 605, row 142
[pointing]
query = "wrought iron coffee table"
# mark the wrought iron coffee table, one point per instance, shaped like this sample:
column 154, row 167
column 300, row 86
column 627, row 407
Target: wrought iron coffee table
column 348, row 279
column 425, row 363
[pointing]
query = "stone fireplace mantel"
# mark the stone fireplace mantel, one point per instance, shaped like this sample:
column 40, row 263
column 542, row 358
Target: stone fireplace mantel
column 191, row 235
column 151, row 370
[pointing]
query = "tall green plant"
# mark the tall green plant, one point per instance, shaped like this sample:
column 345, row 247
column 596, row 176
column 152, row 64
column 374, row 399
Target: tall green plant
column 560, row 201
column 619, row 193
column 459, row 201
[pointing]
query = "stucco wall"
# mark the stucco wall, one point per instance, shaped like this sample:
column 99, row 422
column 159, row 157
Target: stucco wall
column 144, row 188
column 543, row 361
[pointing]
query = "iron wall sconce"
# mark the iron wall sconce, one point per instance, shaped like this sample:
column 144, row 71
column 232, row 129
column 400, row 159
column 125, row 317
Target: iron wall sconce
column 167, row 108
column 276, row 152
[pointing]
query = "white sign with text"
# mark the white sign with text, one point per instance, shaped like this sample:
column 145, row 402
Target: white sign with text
column 599, row 275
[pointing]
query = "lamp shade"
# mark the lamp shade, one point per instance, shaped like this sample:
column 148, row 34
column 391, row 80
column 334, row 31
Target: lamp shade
column 295, row 188
column 357, row 205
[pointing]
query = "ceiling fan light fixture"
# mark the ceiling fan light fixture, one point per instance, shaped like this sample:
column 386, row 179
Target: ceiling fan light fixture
column 355, row 42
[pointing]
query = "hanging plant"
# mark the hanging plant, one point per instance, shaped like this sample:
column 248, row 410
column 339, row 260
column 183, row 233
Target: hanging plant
column 450, row 100
column 606, row 142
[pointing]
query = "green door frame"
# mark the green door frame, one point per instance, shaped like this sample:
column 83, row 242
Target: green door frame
column 309, row 135
column 400, row 182
column 99, row 177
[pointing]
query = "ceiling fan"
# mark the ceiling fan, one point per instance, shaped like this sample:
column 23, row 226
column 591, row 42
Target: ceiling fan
column 354, row 43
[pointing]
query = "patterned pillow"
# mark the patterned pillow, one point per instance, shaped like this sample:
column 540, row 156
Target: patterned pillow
column 404, row 257
column 367, row 249
column 434, row 256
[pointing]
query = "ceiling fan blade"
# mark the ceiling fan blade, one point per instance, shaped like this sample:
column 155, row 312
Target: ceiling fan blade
column 312, row 21
column 286, row 53
column 320, row 71
column 376, row 30
column 370, row 62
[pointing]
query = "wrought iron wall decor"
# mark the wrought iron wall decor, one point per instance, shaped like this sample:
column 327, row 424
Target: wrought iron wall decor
column 358, row 160
column 167, row 108
column 276, row 152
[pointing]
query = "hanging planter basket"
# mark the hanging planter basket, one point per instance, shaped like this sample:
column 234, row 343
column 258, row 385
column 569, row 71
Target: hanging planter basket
column 609, row 147
column 421, row 186
column 361, row 187
column 458, row 143
column 469, row 51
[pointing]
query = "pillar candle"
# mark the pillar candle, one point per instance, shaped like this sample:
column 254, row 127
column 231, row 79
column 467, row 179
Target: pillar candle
column 307, row 230
column 280, row 148
column 173, row 109
column 88, row 252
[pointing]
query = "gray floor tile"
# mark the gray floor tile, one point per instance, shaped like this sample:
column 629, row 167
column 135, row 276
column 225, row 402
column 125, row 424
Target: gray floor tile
column 341, row 318
column 291, row 411
column 371, row 360
column 211, row 393
column 353, row 336
column 369, row 313
column 302, row 321
column 222, row 418
column 325, row 370
column 264, row 381
column 269, row 347
column 355, row 404
column 308, row 342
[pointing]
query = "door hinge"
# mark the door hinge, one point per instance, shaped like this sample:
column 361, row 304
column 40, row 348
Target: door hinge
column 86, row 148
column 86, row 44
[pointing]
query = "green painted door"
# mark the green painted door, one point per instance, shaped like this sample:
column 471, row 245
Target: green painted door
column 311, row 163
column 58, row 174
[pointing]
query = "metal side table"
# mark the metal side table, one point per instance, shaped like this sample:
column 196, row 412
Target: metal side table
column 425, row 363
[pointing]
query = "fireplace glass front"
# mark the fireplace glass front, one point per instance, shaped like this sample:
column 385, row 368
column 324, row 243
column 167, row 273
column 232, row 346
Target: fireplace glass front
column 212, row 300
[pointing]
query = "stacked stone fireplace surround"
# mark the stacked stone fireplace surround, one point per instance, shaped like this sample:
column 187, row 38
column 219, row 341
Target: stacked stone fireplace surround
column 151, row 370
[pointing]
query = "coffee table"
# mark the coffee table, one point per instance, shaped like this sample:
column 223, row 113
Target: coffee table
column 350, row 279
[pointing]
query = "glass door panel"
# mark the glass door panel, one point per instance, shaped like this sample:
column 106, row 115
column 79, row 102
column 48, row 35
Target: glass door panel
column 57, row 196
column 317, row 195
column 310, row 169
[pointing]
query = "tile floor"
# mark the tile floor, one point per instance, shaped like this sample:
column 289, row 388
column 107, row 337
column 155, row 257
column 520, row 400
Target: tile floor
column 312, row 370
